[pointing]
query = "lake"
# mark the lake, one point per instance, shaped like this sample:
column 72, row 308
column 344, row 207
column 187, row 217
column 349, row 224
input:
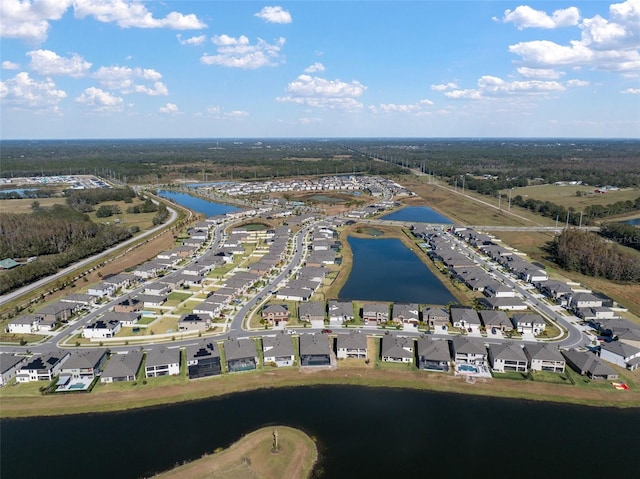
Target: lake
column 362, row 432
column 386, row 270
column 634, row 222
column 417, row 214
column 199, row 205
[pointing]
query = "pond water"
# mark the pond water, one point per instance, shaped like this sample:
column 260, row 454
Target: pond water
column 361, row 432
column 386, row 270
column 206, row 207
column 634, row 222
column 417, row 214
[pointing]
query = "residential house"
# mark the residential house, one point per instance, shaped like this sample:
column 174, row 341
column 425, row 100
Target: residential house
column 508, row 357
column 465, row 318
column 240, row 355
column 203, row 360
column 210, row 308
column 294, row 294
column 585, row 300
column 557, row 290
column 101, row 329
column 314, row 350
column 376, row 313
column 340, row 311
column 528, row 323
column 406, row 314
column 194, row 322
column 57, row 311
column 352, row 346
column 276, row 314
column 122, row 367
column 621, row 354
column 120, row 280
column 544, row 357
column 278, row 350
column 126, row 319
column 436, row 318
column 102, row 290
column 496, row 319
column 468, row 351
column 42, row 367
column 26, row 324
column 397, row 349
column 152, row 300
column 433, row 355
column 128, row 305
column 162, row 362
column 505, row 304
column 10, row 364
column 588, row 364
column 84, row 364
column 313, row 311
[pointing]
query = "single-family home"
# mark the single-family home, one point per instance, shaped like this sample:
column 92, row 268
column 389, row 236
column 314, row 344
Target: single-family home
column 42, row 367
column 340, row 311
column 497, row 319
column 508, row 357
column 433, row 355
column 406, row 314
column 194, row 322
column 203, row 359
column 585, row 300
column 314, row 350
column 528, row 323
column 127, row 305
column 101, row 329
column 10, row 364
column 152, row 300
column 278, row 350
column 312, row 311
column 397, row 349
column 275, row 314
column 436, row 318
column 161, row 361
column 621, row 354
column 588, row 364
column 352, row 346
column 84, row 364
column 26, row 324
column 294, row 294
column 125, row 319
column 57, row 311
column 544, row 357
column 468, row 351
column 465, row 318
column 122, row 367
column 505, row 304
column 240, row 355
column 376, row 313
column 102, row 290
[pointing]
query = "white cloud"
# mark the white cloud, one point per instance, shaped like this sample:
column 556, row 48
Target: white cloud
column 309, row 121
column 322, row 93
column 632, row 91
column 464, row 94
column 127, row 80
column 316, row 67
column 274, row 15
column 46, row 62
column 219, row 114
column 444, row 86
column 199, row 40
column 540, row 73
column 7, row 65
column 29, row 20
column 100, row 100
column 526, row 17
column 495, row 87
column 22, row 90
column 609, row 45
column 412, row 108
column 577, row 83
column 127, row 14
column 239, row 53
column 169, row 108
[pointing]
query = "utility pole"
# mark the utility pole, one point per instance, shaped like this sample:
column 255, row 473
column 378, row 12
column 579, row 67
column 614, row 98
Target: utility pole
column 510, row 190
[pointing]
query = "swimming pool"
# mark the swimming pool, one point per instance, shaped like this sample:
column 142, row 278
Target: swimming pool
column 467, row 368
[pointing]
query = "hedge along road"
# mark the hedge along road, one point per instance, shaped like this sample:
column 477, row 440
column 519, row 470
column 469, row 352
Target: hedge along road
column 82, row 263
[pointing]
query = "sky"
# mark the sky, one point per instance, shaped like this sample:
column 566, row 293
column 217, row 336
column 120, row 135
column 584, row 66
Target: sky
column 89, row 69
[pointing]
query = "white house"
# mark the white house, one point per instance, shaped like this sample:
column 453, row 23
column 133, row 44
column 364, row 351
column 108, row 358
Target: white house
column 27, row 324
column 624, row 355
column 528, row 323
column 162, row 362
column 42, row 367
column 278, row 350
column 10, row 364
column 100, row 329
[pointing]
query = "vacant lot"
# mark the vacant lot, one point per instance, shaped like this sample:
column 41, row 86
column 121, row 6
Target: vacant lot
column 567, row 196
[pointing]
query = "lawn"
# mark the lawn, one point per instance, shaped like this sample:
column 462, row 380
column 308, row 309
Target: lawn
column 567, row 196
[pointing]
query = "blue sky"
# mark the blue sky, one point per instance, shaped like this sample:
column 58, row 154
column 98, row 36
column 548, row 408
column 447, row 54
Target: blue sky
column 180, row 69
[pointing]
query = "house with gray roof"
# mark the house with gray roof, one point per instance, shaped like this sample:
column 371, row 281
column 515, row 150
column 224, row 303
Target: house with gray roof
column 294, row 294
column 314, row 350
column 585, row 300
column 194, row 322
column 508, row 357
column 122, row 367
column 468, row 351
column 436, row 318
column 276, row 314
column 465, row 318
column 528, row 323
column 102, row 329
column 352, row 345
column 433, row 355
column 84, row 364
column 397, row 349
column 203, row 359
column 544, row 357
column 210, row 308
column 340, row 311
column 25, row 324
column 125, row 319
column 621, row 354
column 588, row 364
column 312, row 311
column 42, row 367
column 376, row 313
column 505, row 304
column 10, row 364
column 162, row 362
column 406, row 314
column 492, row 318
column 278, row 350
column 128, row 304
column 240, row 355
column 152, row 300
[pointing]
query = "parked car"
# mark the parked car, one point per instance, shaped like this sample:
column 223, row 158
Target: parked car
column 327, row 331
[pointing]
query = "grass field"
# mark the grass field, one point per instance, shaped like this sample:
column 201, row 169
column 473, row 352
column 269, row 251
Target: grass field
column 567, row 195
